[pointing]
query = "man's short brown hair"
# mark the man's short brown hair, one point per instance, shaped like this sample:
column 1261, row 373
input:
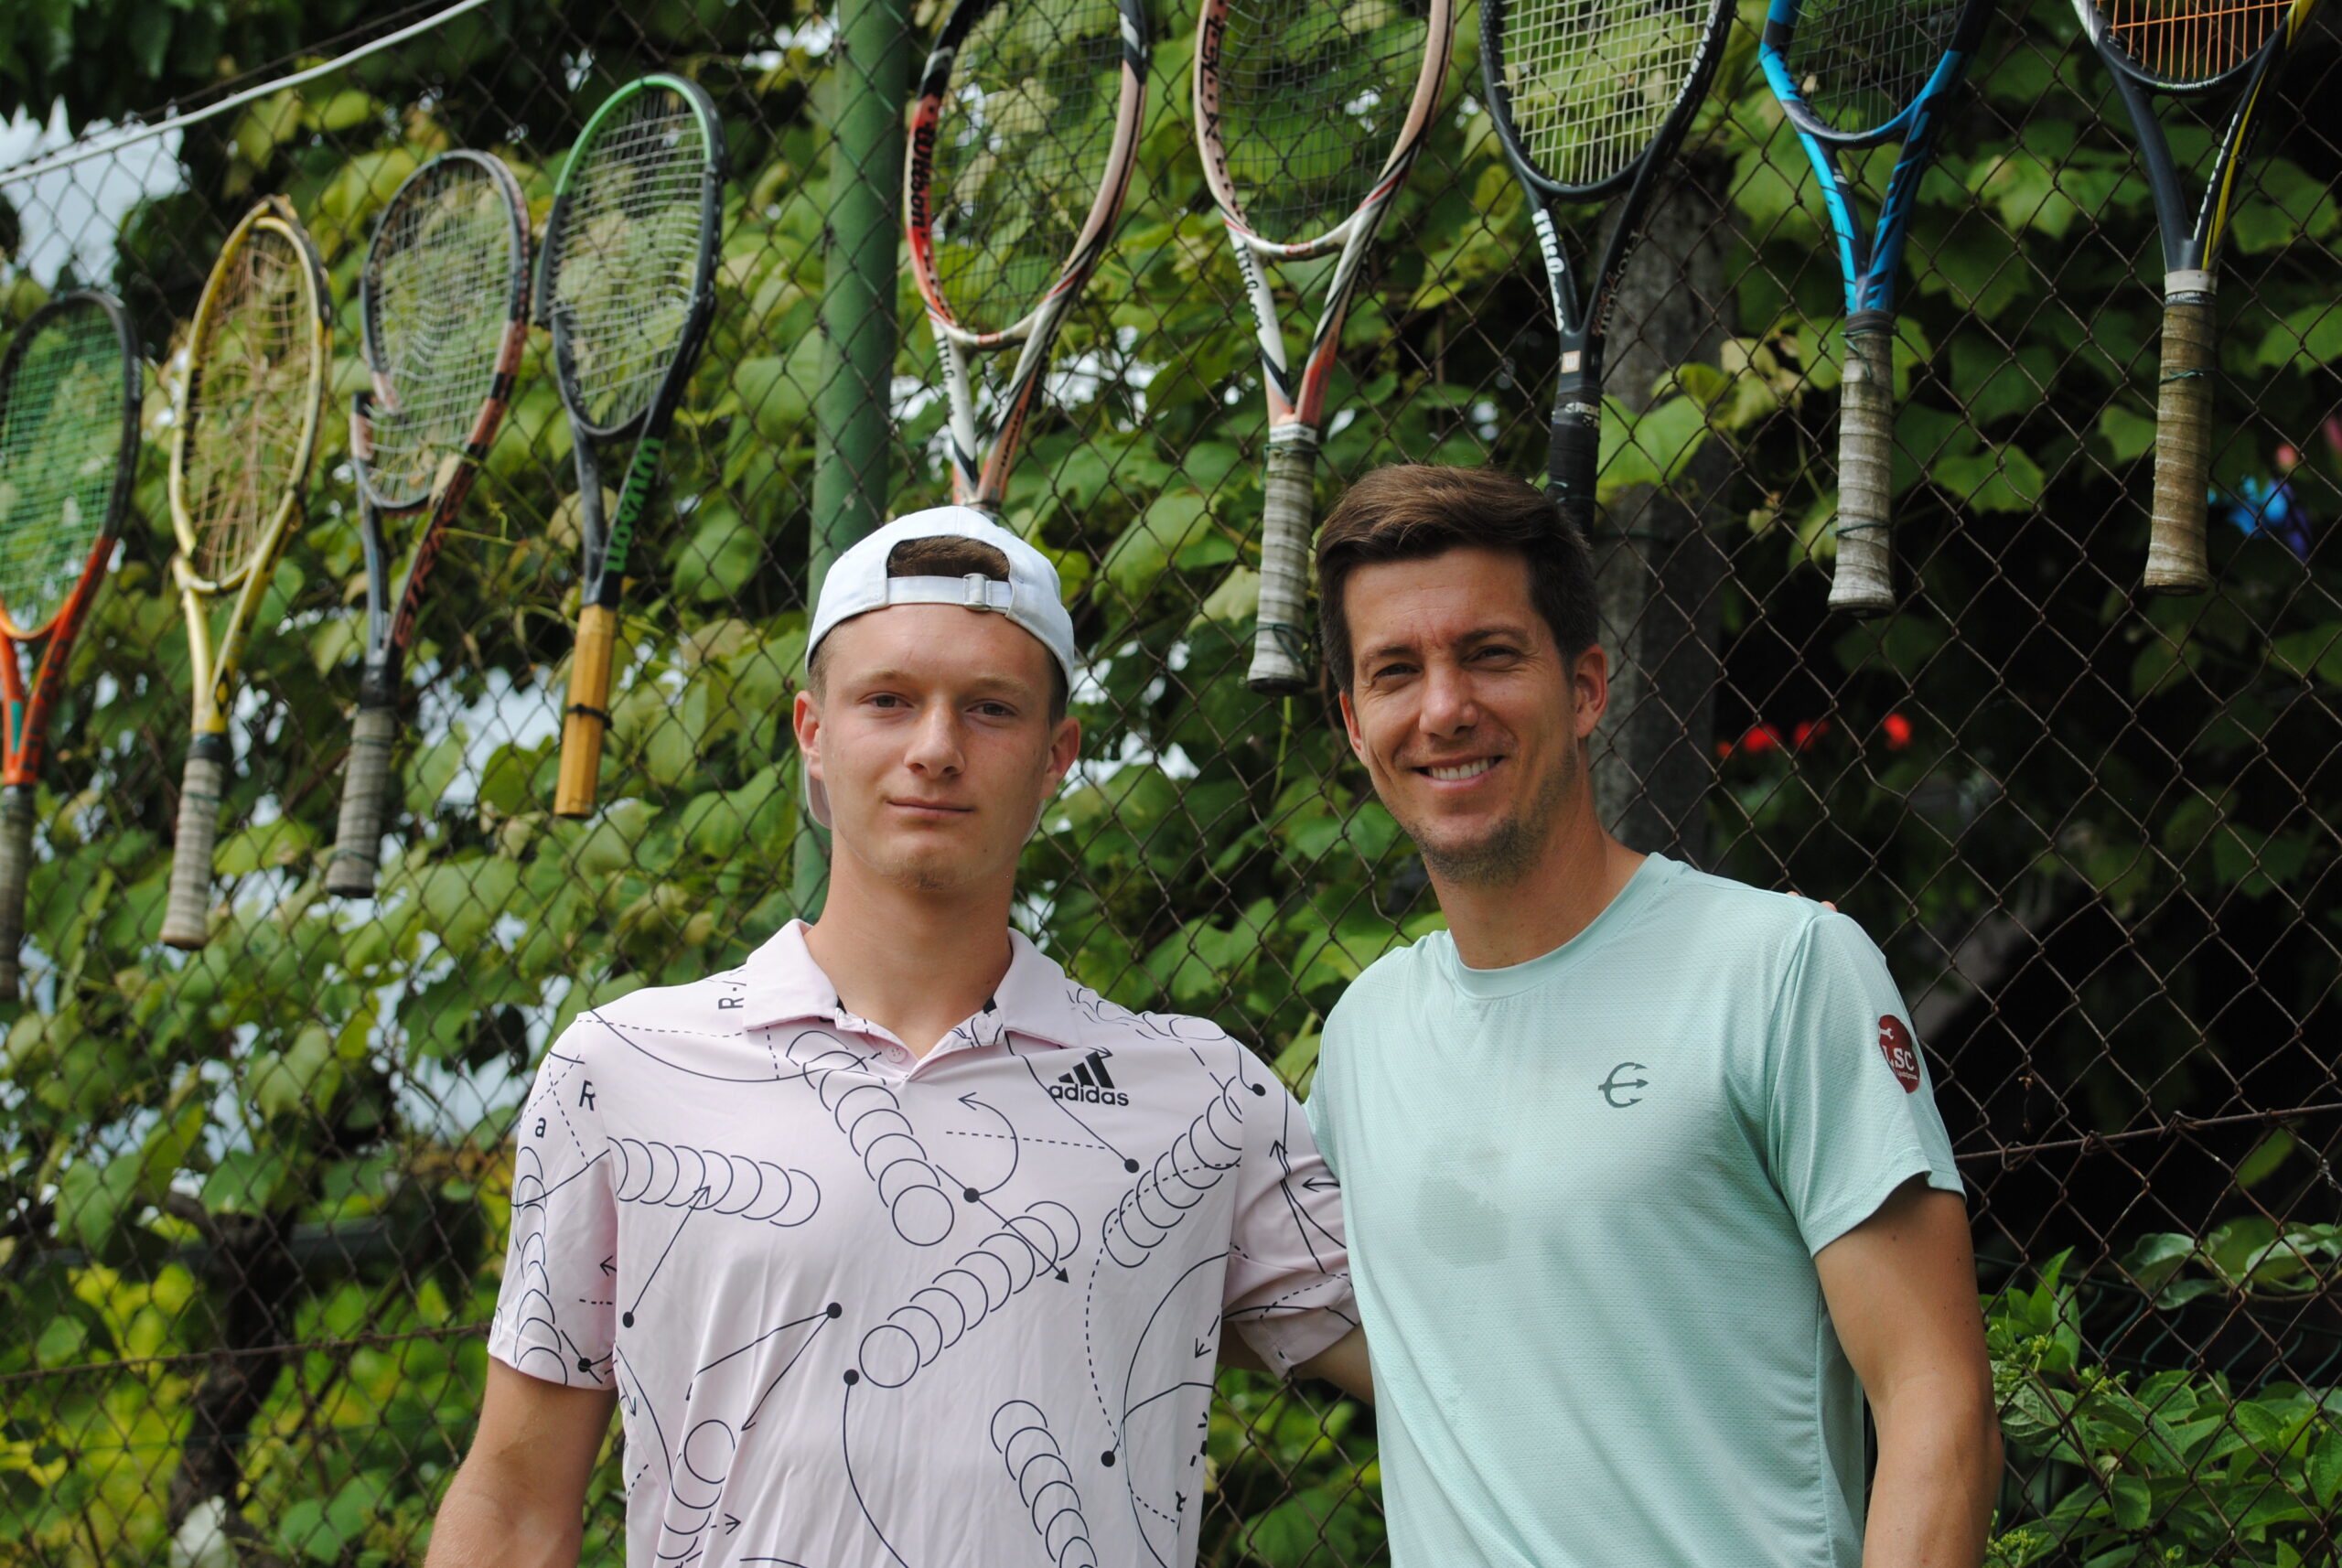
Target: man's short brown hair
column 1412, row 511
column 950, row 555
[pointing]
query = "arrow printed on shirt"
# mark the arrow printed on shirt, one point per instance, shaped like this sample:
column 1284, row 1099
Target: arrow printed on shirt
column 1303, row 1222
column 1015, row 1146
column 698, row 1202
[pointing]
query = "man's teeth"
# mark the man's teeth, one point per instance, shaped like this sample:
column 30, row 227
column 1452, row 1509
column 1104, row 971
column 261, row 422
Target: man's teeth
column 1462, row 771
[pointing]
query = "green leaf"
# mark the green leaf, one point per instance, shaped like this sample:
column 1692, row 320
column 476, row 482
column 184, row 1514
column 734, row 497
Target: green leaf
column 1169, row 524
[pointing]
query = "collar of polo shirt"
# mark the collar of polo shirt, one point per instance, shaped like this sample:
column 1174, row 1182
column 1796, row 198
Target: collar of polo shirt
column 785, row 985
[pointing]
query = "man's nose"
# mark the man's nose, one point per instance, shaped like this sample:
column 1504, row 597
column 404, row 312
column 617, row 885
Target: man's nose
column 1448, row 706
column 935, row 742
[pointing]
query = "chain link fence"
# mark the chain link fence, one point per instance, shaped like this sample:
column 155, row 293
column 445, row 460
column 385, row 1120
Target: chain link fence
column 252, row 1199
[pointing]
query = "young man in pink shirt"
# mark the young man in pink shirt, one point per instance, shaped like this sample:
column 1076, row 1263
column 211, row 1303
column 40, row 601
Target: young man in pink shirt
column 895, row 1247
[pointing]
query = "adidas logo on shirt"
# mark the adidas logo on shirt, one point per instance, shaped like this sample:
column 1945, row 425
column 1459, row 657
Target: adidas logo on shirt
column 1089, row 1084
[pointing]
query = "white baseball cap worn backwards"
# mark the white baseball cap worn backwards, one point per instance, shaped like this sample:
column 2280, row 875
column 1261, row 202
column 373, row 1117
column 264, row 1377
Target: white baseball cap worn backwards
column 857, row 583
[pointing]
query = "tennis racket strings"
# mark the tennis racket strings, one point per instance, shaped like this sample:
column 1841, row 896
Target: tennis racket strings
column 1311, row 96
column 250, row 405
column 2189, row 44
column 60, row 442
column 438, row 296
column 624, row 268
column 1590, row 82
column 1023, row 148
column 1859, row 63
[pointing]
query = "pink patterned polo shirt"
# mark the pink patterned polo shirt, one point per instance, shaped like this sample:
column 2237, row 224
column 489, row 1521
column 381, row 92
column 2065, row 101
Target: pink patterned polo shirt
column 863, row 1311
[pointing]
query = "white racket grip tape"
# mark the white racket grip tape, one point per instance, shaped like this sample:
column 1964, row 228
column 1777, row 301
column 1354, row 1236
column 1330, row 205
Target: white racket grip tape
column 15, row 870
column 1863, row 582
column 365, row 801
column 186, row 918
column 1281, row 635
column 2176, row 561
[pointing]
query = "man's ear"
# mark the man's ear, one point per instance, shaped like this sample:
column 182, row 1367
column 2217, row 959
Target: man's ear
column 1590, row 689
column 1350, row 724
column 1065, row 750
column 805, row 718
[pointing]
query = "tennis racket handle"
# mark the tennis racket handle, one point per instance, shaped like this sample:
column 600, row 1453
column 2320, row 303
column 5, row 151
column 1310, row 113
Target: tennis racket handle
column 15, row 870
column 588, row 715
column 1288, row 516
column 365, row 802
column 1863, row 582
column 2175, row 559
column 1574, row 460
column 186, row 918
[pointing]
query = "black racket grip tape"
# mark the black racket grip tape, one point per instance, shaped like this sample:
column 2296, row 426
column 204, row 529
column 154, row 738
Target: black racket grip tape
column 1574, row 459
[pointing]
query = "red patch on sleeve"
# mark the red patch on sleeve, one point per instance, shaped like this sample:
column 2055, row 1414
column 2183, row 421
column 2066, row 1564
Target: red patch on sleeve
column 1894, row 1045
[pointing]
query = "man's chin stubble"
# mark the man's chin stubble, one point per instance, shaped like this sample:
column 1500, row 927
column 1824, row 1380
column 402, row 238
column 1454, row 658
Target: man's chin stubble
column 1506, row 853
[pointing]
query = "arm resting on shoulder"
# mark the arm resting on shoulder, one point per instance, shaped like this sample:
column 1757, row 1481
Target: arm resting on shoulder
column 1343, row 1363
column 519, row 1500
column 1901, row 1287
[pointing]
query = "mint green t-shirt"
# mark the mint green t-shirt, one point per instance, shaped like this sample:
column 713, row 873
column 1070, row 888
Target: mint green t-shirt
column 1583, row 1195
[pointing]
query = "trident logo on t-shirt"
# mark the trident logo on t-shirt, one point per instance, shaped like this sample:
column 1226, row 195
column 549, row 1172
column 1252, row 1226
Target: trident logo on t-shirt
column 1894, row 1045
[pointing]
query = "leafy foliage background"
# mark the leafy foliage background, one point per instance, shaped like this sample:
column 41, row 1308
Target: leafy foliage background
column 252, row 1201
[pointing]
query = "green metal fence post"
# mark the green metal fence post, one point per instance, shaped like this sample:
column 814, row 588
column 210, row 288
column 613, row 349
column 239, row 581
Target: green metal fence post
column 870, row 80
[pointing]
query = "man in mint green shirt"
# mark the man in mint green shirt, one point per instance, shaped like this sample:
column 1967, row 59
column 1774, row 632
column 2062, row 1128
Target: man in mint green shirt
column 1645, row 1183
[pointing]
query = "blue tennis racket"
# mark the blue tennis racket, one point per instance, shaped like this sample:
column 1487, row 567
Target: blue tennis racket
column 1853, row 74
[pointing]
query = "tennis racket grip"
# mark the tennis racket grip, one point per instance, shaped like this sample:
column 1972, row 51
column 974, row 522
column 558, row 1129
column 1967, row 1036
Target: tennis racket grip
column 588, row 715
column 365, row 800
column 15, row 870
column 1289, row 514
column 186, row 918
column 1863, row 582
column 1573, row 457
column 2175, row 559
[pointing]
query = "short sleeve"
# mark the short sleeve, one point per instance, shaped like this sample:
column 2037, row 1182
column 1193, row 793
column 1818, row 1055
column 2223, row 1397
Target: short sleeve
column 1319, row 1110
column 555, row 1315
column 1288, row 1282
column 1850, row 1107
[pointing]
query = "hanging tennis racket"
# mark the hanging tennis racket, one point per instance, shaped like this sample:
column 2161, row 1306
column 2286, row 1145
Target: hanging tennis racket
column 70, row 394
column 1022, row 145
column 1852, row 74
column 627, row 286
column 2186, row 48
column 1591, row 99
column 444, row 301
column 1307, row 115
column 246, row 427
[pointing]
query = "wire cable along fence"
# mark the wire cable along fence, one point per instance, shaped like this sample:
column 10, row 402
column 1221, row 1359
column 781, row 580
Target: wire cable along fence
column 254, row 1193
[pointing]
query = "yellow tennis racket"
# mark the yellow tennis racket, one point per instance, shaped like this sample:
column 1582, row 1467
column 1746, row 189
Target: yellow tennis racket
column 248, row 415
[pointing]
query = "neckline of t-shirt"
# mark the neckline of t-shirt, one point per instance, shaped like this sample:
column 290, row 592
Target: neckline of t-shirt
column 1492, row 984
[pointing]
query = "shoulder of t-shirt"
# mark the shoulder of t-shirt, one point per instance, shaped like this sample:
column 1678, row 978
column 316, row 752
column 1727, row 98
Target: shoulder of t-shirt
column 691, row 1006
column 1117, row 1027
column 1725, row 920
column 1397, row 974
